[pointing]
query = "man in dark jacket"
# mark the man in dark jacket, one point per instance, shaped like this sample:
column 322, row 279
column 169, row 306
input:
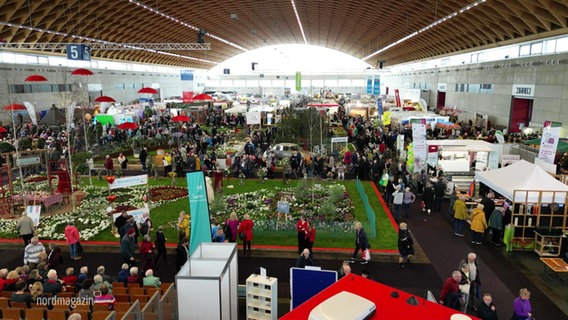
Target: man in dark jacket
column 361, row 242
column 182, row 251
column 439, row 191
column 486, row 309
column 160, row 243
column 127, row 247
column 143, row 156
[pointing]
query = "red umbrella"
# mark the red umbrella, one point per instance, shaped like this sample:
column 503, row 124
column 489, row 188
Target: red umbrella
column 15, row 106
column 181, row 118
column 104, row 99
column 202, row 97
column 35, row 78
column 148, row 90
column 3, row 130
column 82, row 72
column 127, row 126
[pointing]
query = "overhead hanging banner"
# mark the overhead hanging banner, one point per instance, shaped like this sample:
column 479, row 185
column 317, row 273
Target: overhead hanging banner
column 129, row 181
column 253, row 117
column 549, row 141
column 199, row 210
column 298, row 81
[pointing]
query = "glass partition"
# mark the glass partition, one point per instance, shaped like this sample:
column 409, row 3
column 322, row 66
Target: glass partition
column 169, row 303
column 152, row 310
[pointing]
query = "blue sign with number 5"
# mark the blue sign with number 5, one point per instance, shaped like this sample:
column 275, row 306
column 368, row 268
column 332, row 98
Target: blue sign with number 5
column 78, row 52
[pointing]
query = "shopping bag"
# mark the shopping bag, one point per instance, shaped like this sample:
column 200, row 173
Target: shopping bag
column 384, row 180
column 367, row 255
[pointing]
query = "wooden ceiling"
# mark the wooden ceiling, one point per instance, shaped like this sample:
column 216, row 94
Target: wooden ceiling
column 358, row 28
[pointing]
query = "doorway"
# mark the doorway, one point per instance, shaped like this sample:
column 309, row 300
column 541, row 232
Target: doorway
column 441, row 103
column 521, row 112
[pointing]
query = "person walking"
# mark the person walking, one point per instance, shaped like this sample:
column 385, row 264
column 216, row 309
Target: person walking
column 522, row 309
column 397, row 200
column 474, row 278
column 182, row 252
column 439, row 191
column 460, row 216
column 245, row 233
column 231, row 226
column 160, row 243
column 127, row 247
column 405, row 245
column 450, row 295
column 25, row 228
column 183, row 225
column 478, row 224
column 361, row 242
column 496, row 226
column 109, row 165
column 143, row 156
column 408, row 198
column 302, row 229
column 33, row 253
column 311, row 236
column 72, row 237
column 486, row 309
column 147, row 252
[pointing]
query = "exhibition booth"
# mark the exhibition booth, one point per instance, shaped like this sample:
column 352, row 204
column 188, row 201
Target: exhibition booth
column 459, row 155
column 539, row 211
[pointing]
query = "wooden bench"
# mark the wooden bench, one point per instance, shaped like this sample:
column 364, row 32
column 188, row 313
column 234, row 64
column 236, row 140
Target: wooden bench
column 557, row 265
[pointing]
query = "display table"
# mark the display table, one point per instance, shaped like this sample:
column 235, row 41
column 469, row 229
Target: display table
column 388, row 307
column 547, row 244
column 45, row 200
column 557, row 265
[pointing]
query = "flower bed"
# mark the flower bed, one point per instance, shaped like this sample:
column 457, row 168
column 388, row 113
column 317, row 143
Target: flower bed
column 163, row 193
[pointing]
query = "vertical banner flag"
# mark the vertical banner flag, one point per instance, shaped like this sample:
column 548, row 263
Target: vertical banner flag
column 186, row 77
column 432, row 155
column 298, row 81
column 419, row 145
column 369, row 85
column 549, row 141
column 380, row 106
column 31, row 112
column 377, row 86
column 199, row 210
column 397, row 98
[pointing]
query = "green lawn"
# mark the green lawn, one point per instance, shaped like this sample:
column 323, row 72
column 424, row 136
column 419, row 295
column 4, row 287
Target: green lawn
column 167, row 215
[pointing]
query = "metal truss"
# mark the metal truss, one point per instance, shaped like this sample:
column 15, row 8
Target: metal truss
column 109, row 46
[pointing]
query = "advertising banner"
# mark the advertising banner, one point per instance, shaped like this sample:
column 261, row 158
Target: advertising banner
column 199, row 210
column 432, row 155
column 549, row 141
column 397, row 97
column 376, row 86
column 253, row 117
column 298, row 81
column 129, row 181
column 508, row 159
column 369, row 85
column 420, row 147
column 34, row 212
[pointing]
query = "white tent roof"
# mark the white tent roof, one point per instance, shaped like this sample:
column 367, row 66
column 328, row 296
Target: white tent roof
column 523, row 175
column 241, row 108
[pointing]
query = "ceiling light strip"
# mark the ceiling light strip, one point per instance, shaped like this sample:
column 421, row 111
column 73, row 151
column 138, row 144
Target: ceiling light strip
column 13, row 25
column 187, row 25
column 433, row 24
column 299, row 21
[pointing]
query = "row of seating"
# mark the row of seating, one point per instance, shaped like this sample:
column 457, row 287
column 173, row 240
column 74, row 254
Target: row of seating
column 55, row 314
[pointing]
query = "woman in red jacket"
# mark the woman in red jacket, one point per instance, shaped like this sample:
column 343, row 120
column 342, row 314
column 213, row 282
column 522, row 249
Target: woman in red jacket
column 72, row 237
column 302, row 228
column 245, row 233
column 147, row 253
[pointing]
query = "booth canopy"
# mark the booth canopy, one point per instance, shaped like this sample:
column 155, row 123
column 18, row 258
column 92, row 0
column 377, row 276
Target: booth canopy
column 54, row 117
column 523, row 175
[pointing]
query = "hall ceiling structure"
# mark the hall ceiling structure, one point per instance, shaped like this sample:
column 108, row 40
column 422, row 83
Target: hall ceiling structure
column 393, row 31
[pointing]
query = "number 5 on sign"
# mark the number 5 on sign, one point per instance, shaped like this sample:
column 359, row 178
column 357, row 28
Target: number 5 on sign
column 34, row 213
column 78, row 52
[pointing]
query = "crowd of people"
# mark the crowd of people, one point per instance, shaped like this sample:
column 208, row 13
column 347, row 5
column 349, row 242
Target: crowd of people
column 374, row 158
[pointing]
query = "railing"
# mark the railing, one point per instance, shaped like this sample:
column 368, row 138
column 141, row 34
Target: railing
column 133, row 313
column 372, row 228
column 168, row 301
column 152, row 310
